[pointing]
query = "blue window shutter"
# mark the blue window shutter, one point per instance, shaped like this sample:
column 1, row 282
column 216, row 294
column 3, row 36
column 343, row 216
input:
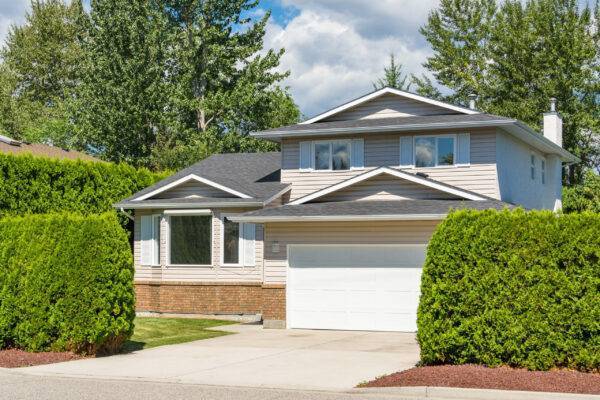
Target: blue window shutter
column 358, row 153
column 305, row 155
column 464, row 149
column 406, row 151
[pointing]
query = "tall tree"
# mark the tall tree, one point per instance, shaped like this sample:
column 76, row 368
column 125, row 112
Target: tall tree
column 121, row 102
column 516, row 56
column 41, row 70
column 393, row 77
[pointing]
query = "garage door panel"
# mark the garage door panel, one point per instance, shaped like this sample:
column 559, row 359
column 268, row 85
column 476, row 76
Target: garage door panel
column 345, row 294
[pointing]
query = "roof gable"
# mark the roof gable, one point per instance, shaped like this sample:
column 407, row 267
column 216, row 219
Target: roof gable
column 388, row 102
column 188, row 178
column 430, row 183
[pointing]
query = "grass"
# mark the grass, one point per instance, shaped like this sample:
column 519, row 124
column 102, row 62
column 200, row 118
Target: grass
column 152, row 332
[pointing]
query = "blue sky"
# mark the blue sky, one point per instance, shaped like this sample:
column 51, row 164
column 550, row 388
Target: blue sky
column 334, row 48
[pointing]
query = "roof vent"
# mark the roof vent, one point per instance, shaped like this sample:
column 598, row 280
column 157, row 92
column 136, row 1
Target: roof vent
column 422, row 175
column 472, row 99
column 7, row 140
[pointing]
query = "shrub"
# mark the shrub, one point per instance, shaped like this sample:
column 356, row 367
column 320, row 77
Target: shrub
column 35, row 185
column 583, row 197
column 512, row 287
column 66, row 283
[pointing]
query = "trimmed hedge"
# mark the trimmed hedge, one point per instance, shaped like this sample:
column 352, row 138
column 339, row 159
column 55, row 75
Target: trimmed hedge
column 66, row 283
column 36, row 185
column 512, row 287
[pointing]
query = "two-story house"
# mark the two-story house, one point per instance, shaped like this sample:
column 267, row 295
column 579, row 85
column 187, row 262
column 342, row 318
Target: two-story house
column 332, row 232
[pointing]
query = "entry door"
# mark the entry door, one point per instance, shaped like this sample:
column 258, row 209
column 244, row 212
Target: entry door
column 354, row 287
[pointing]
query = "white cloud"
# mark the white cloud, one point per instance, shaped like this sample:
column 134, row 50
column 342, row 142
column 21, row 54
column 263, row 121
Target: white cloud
column 11, row 12
column 336, row 49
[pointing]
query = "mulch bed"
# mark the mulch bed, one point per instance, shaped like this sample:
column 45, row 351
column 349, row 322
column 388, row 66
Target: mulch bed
column 480, row 377
column 14, row 358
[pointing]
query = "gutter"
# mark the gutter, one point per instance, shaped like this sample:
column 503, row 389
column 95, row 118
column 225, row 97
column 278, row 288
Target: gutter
column 323, row 218
column 168, row 205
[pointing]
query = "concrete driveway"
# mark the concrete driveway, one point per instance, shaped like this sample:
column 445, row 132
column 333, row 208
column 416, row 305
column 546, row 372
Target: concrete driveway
column 284, row 359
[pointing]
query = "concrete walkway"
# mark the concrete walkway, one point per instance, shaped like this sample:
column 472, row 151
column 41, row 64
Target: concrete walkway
column 282, row 359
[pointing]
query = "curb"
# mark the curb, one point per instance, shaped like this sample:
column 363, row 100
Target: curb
column 447, row 393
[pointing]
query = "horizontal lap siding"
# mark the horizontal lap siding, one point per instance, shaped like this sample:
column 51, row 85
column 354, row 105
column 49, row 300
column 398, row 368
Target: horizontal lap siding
column 389, row 232
column 383, row 150
column 386, row 106
column 213, row 273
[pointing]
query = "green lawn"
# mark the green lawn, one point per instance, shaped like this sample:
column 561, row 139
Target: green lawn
column 151, row 332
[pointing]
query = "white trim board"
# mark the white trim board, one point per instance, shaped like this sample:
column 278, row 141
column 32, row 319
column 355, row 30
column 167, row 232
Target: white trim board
column 382, row 92
column 329, row 218
column 189, row 178
column 385, row 170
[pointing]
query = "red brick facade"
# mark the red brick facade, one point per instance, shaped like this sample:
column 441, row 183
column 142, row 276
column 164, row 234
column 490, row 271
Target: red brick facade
column 212, row 298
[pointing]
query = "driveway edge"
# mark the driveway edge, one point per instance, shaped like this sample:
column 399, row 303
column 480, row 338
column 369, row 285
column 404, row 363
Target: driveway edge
column 429, row 392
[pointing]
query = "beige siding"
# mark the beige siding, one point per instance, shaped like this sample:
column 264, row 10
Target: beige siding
column 386, row 187
column 388, row 106
column 213, row 273
column 389, row 232
column 384, row 149
column 192, row 188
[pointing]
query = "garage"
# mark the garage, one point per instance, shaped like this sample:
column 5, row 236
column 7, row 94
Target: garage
column 354, row 287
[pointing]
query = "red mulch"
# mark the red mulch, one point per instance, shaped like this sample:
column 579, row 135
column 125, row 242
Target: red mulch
column 480, row 377
column 13, row 358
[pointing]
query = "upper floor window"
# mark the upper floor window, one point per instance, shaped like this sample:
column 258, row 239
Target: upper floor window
column 532, row 167
column 433, row 151
column 332, row 155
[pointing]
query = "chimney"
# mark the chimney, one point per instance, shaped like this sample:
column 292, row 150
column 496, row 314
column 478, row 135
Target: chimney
column 553, row 124
column 472, row 98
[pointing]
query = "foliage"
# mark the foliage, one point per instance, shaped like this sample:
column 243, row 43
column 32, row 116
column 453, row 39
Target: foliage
column 512, row 287
column 517, row 55
column 39, row 72
column 393, row 77
column 584, row 196
column 168, row 83
column 36, row 185
column 66, row 283
column 153, row 332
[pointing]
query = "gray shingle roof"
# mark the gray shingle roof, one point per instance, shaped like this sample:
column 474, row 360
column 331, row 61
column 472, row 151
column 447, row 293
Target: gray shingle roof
column 373, row 208
column 385, row 122
column 254, row 174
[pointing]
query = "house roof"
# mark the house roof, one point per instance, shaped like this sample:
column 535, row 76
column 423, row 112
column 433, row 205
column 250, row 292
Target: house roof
column 12, row 146
column 367, row 210
column 251, row 177
column 415, row 178
column 388, row 90
column 203, row 202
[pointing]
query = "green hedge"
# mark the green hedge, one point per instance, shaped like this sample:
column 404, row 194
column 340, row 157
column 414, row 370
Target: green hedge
column 512, row 287
column 35, row 185
column 66, row 283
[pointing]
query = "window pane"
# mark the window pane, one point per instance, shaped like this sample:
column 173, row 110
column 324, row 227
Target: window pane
column 341, row 155
column 322, row 156
column 445, row 151
column 191, row 240
column 425, row 152
column 231, row 242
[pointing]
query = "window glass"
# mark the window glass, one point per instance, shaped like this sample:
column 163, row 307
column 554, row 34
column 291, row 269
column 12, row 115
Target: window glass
column 425, row 152
column 445, row 151
column 532, row 166
column 231, row 242
column 341, row 155
column 322, row 155
column 191, row 239
column 543, row 171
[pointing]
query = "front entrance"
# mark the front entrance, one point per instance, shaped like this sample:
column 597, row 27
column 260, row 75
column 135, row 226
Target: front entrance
column 354, row 287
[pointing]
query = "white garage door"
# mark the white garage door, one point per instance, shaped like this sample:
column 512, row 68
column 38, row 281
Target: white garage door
column 354, row 287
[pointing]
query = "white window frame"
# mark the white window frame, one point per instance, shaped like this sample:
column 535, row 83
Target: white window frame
column 543, row 170
column 330, row 143
column 532, row 166
column 241, row 242
column 189, row 213
column 436, row 137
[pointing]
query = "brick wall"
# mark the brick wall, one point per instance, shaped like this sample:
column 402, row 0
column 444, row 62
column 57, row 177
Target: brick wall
column 212, row 298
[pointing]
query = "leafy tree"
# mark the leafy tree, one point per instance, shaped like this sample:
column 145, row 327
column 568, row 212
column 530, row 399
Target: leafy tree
column 584, row 196
column 40, row 71
column 393, row 77
column 516, row 56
